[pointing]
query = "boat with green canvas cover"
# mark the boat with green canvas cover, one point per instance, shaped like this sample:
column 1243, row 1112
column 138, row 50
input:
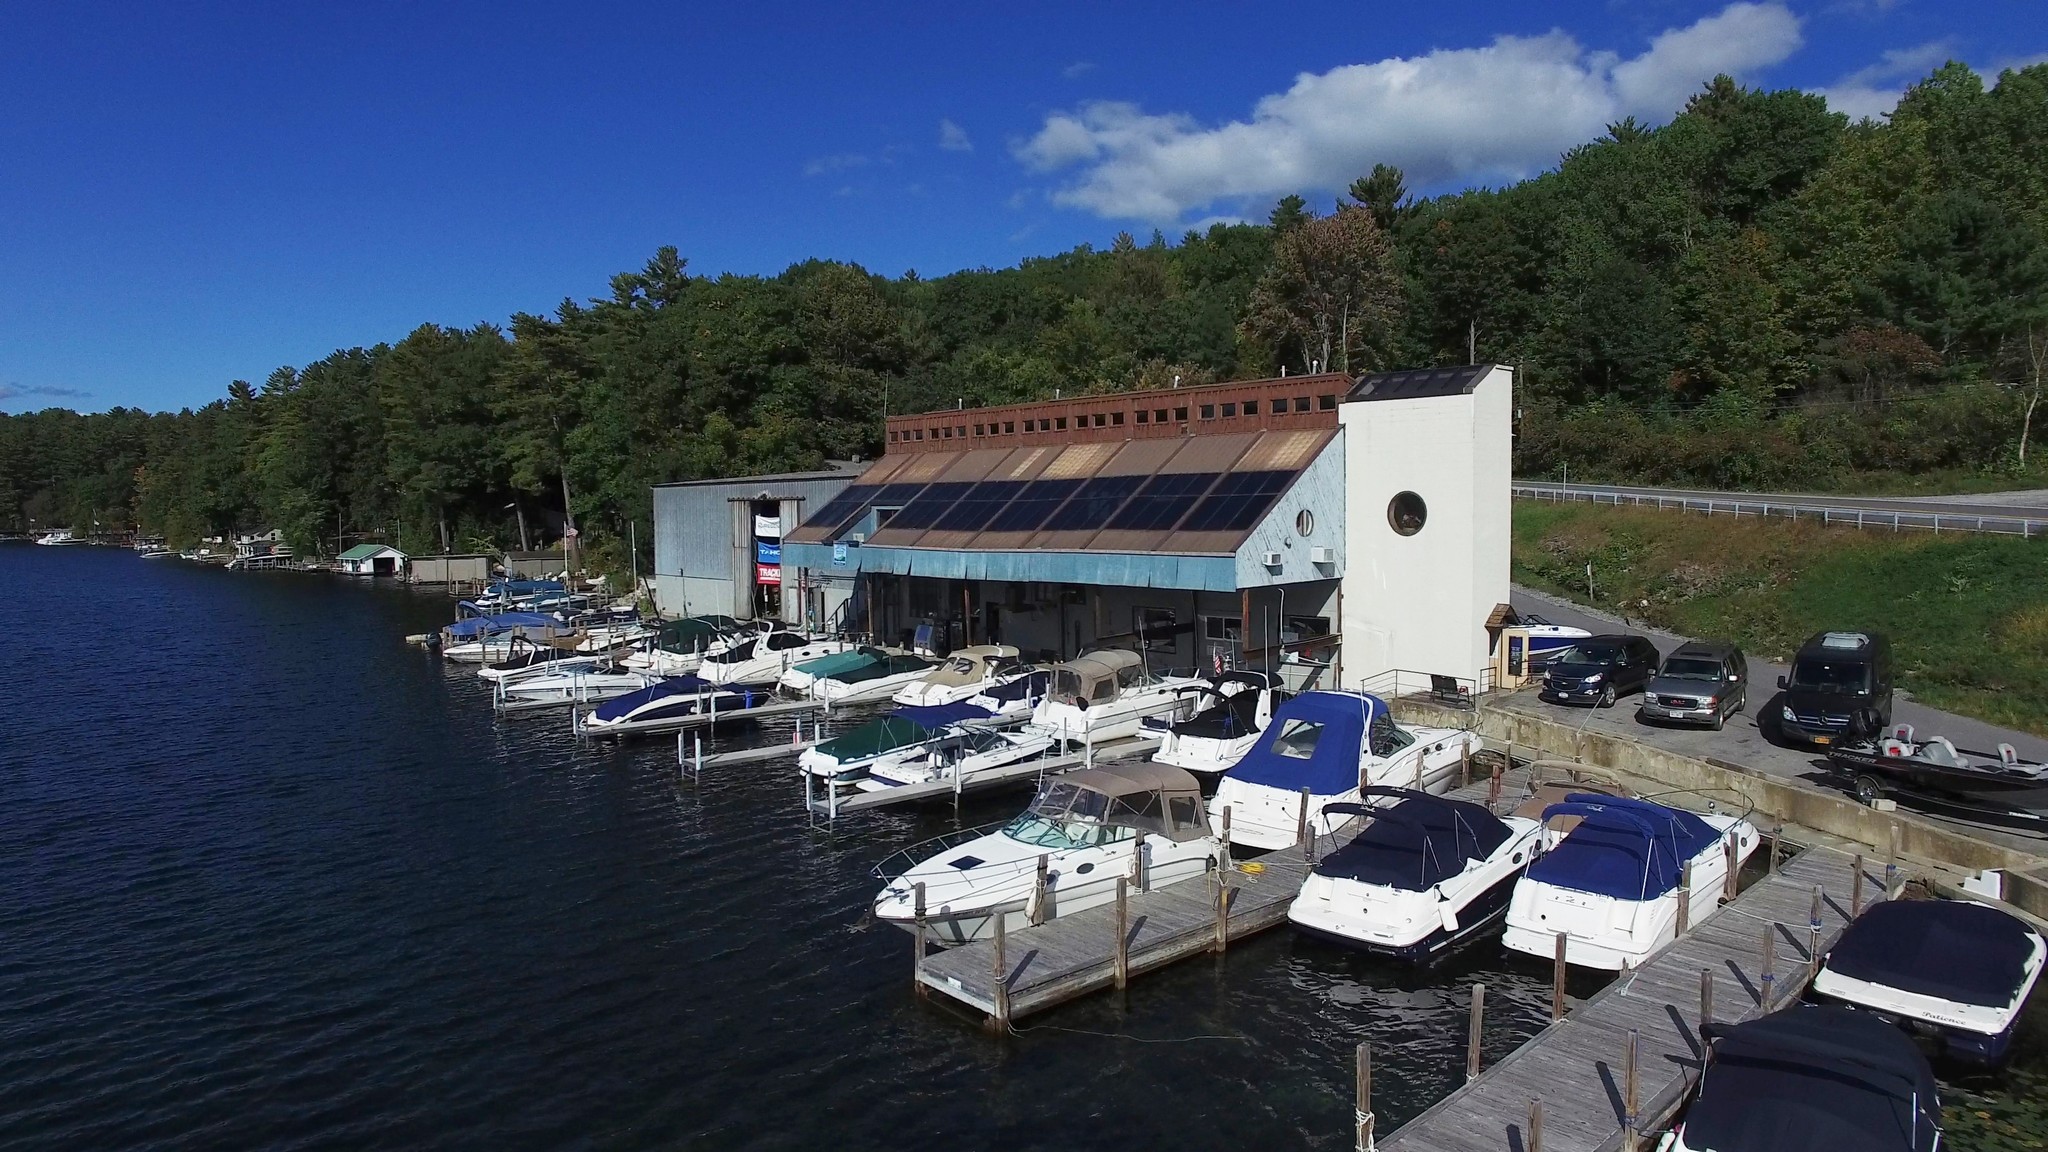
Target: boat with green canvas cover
column 883, row 740
column 798, row 679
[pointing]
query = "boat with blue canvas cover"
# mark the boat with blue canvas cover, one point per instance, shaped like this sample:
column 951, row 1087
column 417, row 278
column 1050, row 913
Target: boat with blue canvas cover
column 490, row 638
column 1957, row 971
column 1015, row 698
column 1319, row 749
column 671, row 703
column 1810, row 1079
column 1609, row 883
column 1424, row 875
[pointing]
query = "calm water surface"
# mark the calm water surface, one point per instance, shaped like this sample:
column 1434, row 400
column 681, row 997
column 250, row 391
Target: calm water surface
column 269, row 878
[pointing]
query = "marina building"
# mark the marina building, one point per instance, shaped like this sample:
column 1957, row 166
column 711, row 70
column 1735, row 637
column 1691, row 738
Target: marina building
column 1326, row 528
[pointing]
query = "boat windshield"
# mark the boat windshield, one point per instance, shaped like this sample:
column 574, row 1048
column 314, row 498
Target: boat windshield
column 1297, row 739
column 1842, row 676
column 1691, row 668
column 1051, row 832
column 1387, row 737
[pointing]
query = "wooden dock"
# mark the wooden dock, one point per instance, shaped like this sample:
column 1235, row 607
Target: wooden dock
column 1036, row 968
column 1593, row 1096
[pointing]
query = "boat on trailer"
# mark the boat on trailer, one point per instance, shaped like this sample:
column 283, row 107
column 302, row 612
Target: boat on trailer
column 1936, row 769
column 1610, row 882
column 1320, row 748
column 1809, row 1079
column 1085, row 823
column 1956, row 971
column 1424, row 875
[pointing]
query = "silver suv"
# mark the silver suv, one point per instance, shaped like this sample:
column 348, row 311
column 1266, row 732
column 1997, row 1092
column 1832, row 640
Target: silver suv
column 1703, row 682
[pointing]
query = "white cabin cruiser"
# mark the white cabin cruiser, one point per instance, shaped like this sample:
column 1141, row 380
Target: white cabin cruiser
column 1426, row 874
column 1107, row 695
column 496, row 637
column 877, row 680
column 1329, row 744
column 1087, row 824
column 669, row 704
column 962, row 676
column 1234, row 708
column 584, row 680
column 679, row 646
column 1610, row 885
column 1957, row 970
column 761, row 661
column 962, row 754
column 57, row 538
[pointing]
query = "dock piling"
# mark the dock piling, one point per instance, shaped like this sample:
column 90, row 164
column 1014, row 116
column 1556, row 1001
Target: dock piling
column 1472, row 1027
column 1038, row 887
column 1534, row 1142
column 1706, row 1000
column 1768, row 979
column 1301, row 819
column 917, row 957
column 1684, row 900
column 1557, row 974
column 1856, row 889
column 1734, row 865
column 1222, row 912
column 1138, row 859
column 1628, row 1092
column 1813, row 931
column 1493, row 791
column 1771, row 850
column 1001, row 1020
column 1123, row 933
column 1364, row 1117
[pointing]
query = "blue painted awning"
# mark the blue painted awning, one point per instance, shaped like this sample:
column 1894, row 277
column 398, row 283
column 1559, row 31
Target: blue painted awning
column 1131, row 570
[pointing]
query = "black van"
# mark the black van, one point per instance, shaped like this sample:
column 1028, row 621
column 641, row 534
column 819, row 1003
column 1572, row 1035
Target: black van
column 1840, row 688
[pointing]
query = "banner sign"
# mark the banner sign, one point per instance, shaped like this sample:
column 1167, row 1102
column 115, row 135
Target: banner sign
column 767, row 553
column 767, row 573
column 768, row 527
column 839, row 553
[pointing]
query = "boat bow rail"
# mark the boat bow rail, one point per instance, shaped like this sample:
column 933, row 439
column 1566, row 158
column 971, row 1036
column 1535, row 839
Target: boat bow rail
column 896, row 863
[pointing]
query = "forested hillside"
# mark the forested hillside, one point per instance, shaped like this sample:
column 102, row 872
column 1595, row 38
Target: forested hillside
column 1759, row 293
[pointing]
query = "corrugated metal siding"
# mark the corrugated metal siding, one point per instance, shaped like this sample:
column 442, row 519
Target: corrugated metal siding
column 693, row 524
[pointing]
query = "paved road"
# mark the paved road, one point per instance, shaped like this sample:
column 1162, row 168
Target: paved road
column 1744, row 741
column 2001, row 504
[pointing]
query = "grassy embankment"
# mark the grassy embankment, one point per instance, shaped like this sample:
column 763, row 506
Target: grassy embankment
column 1968, row 615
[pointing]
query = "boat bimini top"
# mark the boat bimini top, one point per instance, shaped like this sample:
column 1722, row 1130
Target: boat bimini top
column 971, row 665
column 1622, row 847
column 1313, row 742
column 1097, row 676
column 1415, row 844
column 1084, row 807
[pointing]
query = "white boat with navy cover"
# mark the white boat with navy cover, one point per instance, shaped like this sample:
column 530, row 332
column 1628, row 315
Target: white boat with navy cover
column 1610, row 884
column 1329, row 744
column 1424, row 875
column 671, row 703
column 1956, row 970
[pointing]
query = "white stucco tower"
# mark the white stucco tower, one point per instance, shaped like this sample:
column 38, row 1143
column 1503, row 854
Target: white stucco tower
column 1427, row 462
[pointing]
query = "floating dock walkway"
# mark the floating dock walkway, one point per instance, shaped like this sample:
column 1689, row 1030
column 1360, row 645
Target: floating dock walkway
column 1622, row 1062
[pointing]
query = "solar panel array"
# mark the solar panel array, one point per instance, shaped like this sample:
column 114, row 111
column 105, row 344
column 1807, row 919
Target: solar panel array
column 1143, row 508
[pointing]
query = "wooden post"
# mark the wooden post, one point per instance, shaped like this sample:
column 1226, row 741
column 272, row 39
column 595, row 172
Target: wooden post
column 1222, row 912
column 1768, row 979
column 1684, row 900
column 1038, row 890
column 1138, row 857
column 1472, row 1025
column 1628, row 1093
column 1364, row 1117
column 1123, row 933
column 1706, row 999
column 917, row 957
column 1856, row 889
column 1771, row 851
column 1301, row 820
column 1534, row 1142
column 1734, row 865
column 1813, row 932
column 1557, row 972
column 1891, row 868
column 1493, row 789
column 1464, row 764
column 1000, row 1022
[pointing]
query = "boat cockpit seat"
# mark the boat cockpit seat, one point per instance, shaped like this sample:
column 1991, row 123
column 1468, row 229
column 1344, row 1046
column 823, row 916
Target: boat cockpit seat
column 1904, row 733
column 1940, row 751
column 2008, row 756
column 1897, row 748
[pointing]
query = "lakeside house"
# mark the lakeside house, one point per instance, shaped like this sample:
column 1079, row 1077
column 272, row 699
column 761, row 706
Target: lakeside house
column 373, row 560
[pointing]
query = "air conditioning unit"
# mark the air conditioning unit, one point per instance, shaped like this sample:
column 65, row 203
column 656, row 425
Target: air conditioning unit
column 857, row 538
column 1272, row 560
column 1322, row 555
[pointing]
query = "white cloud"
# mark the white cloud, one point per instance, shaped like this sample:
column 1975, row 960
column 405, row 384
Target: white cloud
column 953, row 138
column 1874, row 90
column 840, row 163
column 1077, row 69
column 1497, row 112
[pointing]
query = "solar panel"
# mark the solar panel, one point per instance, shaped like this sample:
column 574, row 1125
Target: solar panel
column 838, row 508
column 1028, row 510
column 1162, row 501
column 887, row 496
column 1094, row 504
column 933, row 503
column 980, row 506
column 1238, row 502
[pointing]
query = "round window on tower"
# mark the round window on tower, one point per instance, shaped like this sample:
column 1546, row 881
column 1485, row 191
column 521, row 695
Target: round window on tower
column 1304, row 522
column 1406, row 513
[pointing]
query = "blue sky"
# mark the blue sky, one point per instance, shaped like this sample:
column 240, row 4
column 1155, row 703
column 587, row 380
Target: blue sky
column 194, row 193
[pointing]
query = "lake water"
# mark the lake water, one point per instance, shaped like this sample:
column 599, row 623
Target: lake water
column 270, row 878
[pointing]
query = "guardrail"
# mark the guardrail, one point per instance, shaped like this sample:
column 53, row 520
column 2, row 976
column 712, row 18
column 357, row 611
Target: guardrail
column 1867, row 518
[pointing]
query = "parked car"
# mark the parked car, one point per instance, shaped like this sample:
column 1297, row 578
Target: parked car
column 1703, row 682
column 1598, row 669
column 1840, row 688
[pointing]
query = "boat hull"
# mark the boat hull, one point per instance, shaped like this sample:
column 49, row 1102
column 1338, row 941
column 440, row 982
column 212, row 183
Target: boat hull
column 1480, row 917
column 1982, row 787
